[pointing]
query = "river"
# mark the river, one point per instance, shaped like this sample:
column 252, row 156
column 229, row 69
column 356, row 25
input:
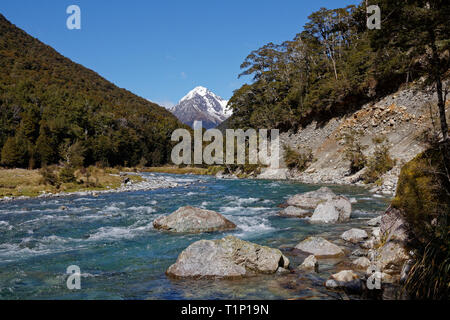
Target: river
column 121, row 255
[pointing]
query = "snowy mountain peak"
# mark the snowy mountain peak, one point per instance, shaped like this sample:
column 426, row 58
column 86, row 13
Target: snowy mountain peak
column 203, row 105
column 201, row 91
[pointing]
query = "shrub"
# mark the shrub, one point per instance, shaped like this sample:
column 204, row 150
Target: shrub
column 296, row 160
column 67, row 174
column 379, row 163
column 354, row 154
column 48, row 176
column 423, row 196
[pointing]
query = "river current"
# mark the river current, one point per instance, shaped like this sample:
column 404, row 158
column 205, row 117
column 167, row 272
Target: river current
column 121, row 255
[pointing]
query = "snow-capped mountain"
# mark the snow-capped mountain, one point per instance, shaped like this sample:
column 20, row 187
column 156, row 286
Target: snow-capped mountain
column 202, row 105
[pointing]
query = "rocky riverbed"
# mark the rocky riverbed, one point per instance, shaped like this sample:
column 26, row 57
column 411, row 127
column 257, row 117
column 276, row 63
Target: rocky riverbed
column 112, row 237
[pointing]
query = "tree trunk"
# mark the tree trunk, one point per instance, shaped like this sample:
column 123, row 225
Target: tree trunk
column 441, row 106
column 436, row 75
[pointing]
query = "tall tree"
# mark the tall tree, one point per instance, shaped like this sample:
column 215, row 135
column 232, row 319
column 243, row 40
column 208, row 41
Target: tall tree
column 420, row 30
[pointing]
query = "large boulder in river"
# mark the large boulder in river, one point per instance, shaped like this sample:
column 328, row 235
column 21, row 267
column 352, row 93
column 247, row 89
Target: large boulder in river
column 294, row 212
column 319, row 247
column 193, row 220
column 354, row 235
column 311, row 199
column 229, row 257
column 336, row 209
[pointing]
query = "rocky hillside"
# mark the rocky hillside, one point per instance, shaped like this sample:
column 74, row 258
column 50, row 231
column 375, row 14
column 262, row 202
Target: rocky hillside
column 401, row 118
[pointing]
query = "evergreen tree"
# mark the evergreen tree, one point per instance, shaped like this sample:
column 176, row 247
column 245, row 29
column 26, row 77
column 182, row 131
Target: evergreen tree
column 14, row 153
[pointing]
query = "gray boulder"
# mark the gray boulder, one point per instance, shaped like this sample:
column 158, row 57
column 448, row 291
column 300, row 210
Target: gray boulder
column 391, row 257
column 361, row 263
column 310, row 263
column 393, row 226
column 345, row 279
column 294, row 212
column 193, row 220
column 354, row 235
column 229, row 257
column 336, row 209
column 311, row 199
column 319, row 247
column 374, row 222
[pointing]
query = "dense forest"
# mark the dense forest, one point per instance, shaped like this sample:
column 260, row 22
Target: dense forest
column 53, row 110
column 336, row 64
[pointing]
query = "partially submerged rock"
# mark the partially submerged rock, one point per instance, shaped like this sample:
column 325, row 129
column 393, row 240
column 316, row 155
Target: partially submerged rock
column 310, row 263
column 273, row 174
column 294, row 212
column 229, row 257
column 193, row 220
column 361, row 263
column 311, row 199
column 336, row 209
column 320, row 247
column 354, row 235
column 345, row 279
column 374, row 222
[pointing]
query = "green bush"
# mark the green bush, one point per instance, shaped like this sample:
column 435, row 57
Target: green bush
column 354, row 154
column 67, row 174
column 379, row 163
column 48, row 176
column 423, row 196
column 296, row 160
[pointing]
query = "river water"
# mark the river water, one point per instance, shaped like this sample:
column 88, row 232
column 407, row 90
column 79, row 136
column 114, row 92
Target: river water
column 121, row 255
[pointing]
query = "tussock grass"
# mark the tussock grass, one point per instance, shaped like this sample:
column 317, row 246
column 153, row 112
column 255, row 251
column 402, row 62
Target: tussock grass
column 22, row 182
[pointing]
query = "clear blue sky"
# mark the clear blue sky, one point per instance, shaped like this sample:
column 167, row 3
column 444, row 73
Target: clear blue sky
column 162, row 49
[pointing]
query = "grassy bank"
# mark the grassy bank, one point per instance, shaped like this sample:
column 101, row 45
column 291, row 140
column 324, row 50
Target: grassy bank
column 31, row 183
column 184, row 170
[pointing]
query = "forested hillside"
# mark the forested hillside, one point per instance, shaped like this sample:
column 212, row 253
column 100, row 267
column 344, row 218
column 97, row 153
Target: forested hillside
column 53, row 110
column 336, row 64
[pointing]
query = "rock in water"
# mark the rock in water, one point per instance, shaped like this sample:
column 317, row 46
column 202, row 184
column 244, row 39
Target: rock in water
column 310, row 263
column 354, row 235
column 374, row 222
column 229, row 257
column 310, row 200
column 292, row 211
column 361, row 263
column 193, row 220
column 345, row 279
column 337, row 209
column 320, row 247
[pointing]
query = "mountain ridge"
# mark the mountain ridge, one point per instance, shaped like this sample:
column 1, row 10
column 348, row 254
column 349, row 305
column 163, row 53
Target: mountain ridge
column 50, row 104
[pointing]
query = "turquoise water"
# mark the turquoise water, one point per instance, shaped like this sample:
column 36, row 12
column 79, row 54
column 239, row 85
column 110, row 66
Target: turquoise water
column 121, row 256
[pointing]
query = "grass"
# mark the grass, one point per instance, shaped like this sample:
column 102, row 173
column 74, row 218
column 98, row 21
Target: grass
column 30, row 183
column 180, row 170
